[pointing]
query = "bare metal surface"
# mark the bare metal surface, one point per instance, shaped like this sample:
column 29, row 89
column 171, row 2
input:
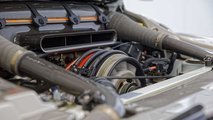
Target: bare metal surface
column 175, row 101
column 163, row 86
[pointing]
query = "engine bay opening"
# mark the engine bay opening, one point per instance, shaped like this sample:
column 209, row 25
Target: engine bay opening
column 87, row 66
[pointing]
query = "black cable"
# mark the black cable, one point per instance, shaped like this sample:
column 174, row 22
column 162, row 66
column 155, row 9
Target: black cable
column 99, row 61
column 93, row 57
column 171, row 64
column 74, row 67
column 135, row 63
column 86, row 54
column 100, row 2
column 122, row 44
column 151, row 60
column 137, row 77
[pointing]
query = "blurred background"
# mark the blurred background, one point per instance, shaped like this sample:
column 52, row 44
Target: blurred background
column 182, row 16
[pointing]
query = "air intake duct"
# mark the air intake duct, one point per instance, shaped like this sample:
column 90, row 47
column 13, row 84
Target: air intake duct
column 62, row 42
column 127, row 29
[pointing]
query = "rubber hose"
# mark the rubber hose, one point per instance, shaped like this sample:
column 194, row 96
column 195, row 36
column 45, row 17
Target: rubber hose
column 183, row 47
column 74, row 84
column 85, row 54
column 11, row 55
column 20, row 61
column 128, row 29
column 136, row 17
column 93, row 57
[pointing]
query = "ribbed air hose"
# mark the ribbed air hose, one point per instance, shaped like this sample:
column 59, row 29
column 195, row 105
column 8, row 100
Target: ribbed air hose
column 128, row 29
column 186, row 48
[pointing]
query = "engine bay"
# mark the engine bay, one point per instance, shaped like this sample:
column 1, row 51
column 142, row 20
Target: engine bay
column 81, row 40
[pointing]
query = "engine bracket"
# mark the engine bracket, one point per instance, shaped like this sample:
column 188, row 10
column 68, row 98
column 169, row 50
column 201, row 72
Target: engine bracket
column 74, row 19
column 38, row 19
column 208, row 60
column 101, row 16
column 2, row 23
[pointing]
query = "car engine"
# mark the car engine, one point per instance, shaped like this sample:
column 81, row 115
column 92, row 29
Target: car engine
column 78, row 59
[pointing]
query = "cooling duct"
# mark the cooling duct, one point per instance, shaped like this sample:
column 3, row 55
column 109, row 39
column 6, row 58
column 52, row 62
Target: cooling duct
column 61, row 42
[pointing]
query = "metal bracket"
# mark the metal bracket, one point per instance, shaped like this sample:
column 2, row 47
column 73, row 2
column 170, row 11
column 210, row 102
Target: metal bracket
column 101, row 16
column 208, row 60
column 38, row 19
column 74, row 19
column 88, row 99
column 84, row 71
column 2, row 23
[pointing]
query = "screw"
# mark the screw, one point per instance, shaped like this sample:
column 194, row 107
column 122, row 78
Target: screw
column 103, row 19
column 1, row 25
column 75, row 20
column 41, row 21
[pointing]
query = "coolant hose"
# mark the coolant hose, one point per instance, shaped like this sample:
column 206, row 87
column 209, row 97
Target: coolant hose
column 128, row 29
column 19, row 61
